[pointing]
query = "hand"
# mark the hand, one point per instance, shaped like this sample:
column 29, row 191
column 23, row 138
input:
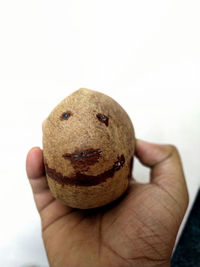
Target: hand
column 138, row 229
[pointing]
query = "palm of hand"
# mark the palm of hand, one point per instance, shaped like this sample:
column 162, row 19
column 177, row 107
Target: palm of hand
column 114, row 235
column 139, row 229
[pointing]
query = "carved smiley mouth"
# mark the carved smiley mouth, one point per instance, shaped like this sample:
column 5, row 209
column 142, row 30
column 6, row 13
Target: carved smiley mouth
column 83, row 154
column 81, row 179
column 81, row 160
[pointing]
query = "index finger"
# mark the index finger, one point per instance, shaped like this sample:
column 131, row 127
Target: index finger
column 166, row 167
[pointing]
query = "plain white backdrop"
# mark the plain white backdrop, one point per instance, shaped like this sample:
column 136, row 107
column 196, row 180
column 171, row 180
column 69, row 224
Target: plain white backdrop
column 144, row 54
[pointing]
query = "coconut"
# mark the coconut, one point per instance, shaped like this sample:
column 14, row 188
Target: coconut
column 88, row 148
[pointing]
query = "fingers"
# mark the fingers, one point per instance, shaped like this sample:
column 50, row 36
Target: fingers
column 35, row 170
column 162, row 159
column 49, row 208
column 166, row 166
column 37, row 179
column 34, row 163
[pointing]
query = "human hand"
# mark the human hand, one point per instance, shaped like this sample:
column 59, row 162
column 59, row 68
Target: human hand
column 138, row 229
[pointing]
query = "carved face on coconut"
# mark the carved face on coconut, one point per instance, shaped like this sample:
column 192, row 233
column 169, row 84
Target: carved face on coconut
column 88, row 142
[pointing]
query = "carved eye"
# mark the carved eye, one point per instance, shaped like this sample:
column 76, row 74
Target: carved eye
column 65, row 115
column 102, row 118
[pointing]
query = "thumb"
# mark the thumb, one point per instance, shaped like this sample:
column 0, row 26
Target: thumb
column 166, row 168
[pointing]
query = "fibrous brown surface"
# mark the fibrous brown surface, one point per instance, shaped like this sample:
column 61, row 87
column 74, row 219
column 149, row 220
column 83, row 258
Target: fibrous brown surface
column 88, row 144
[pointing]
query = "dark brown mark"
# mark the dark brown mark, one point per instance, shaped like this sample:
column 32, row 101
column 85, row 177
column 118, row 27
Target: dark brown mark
column 80, row 160
column 65, row 115
column 83, row 179
column 103, row 118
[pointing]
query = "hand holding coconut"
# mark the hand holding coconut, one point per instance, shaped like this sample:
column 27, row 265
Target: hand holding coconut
column 86, row 171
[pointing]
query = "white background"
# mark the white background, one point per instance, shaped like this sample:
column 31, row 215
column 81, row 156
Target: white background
column 145, row 54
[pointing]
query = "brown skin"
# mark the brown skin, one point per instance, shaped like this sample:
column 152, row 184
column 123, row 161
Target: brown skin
column 139, row 229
